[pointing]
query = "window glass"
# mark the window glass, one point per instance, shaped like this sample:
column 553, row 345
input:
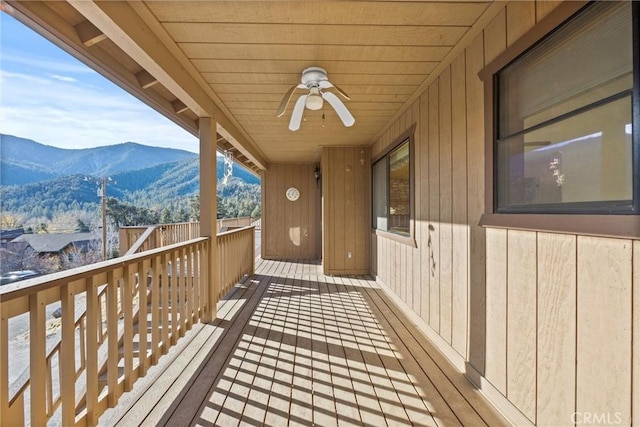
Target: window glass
column 565, row 119
column 585, row 158
column 587, row 60
column 391, row 195
column 380, row 194
column 400, row 190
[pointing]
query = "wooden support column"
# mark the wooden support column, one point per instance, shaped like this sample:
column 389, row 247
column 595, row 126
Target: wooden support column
column 208, row 210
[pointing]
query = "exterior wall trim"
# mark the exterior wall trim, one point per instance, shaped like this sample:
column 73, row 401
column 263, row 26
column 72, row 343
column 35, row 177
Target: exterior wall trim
column 615, row 226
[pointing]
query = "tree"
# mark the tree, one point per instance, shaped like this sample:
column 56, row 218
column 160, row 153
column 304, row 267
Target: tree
column 81, row 227
column 182, row 215
column 165, row 216
column 10, row 220
column 194, row 207
column 123, row 215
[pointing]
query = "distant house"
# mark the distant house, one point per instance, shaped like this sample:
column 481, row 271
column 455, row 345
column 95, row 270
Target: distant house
column 8, row 235
column 57, row 244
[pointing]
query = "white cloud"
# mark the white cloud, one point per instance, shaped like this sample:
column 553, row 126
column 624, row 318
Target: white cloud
column 63, row 78
column 64, row 113
column 49, row 64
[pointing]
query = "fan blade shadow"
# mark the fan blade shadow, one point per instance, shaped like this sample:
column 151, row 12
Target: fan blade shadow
column 325, row 84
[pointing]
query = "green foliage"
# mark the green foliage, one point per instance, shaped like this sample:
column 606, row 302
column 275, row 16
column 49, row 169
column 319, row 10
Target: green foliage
column 194, row 207
column 164, row 193
column 123, row 214
column 82, row 227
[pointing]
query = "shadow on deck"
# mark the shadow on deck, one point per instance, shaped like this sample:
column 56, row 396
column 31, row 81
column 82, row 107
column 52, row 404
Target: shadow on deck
column 292, row 346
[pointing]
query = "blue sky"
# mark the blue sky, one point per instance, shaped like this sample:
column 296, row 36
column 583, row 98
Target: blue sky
column 50, row 97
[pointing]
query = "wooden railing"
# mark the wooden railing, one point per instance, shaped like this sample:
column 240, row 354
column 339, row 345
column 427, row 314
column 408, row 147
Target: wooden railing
column 236, row 255
column 136, row 308
column 143, row 238
column 225, row 223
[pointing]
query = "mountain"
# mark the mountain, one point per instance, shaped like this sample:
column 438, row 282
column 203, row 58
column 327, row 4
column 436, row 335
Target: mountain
column 25, row 161
column 155, row 187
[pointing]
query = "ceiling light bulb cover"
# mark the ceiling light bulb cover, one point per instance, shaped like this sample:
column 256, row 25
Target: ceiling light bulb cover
column 314, row 102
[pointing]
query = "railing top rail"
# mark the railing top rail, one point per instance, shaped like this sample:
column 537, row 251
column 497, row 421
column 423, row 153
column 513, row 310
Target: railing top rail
column 237, row 230
column 42, row 283
column 134, row 227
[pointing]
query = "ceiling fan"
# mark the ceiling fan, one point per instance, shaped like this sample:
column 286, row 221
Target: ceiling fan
column 315, row 80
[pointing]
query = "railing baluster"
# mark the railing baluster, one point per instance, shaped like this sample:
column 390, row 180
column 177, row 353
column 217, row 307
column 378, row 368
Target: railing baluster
column 4, row 366
column 175, row 273
column 197, row 315
column 37, row 366
column 49, row 388
column 92, row 349
column 182, row 291
column 143, row 281
column 128, row 284
column 204, row 278
column 112, row 339
column 164, row 286
column 189, row 286
column 156, row 270
column 67, row 357
column 82, row 326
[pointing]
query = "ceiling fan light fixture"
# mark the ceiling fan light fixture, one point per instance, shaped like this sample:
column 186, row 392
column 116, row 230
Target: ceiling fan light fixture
column 315, row 80
column 314, row 102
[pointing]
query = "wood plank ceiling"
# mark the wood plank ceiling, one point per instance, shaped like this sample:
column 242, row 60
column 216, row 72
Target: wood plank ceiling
column 251, row 52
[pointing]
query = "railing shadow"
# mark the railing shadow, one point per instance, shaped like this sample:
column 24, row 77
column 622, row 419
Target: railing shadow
column 307, row 352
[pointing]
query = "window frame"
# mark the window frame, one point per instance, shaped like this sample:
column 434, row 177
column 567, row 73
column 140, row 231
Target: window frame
column 409, row 137
column 611, row 224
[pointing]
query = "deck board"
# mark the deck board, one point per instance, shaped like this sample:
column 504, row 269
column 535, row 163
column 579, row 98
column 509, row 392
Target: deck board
column 292, row 346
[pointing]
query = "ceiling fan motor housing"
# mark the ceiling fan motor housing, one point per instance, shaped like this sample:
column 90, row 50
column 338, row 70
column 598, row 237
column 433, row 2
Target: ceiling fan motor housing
column 312, row 76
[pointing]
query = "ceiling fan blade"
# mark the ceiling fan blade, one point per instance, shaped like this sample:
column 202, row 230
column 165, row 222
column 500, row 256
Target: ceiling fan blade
column 296, row 116
column 285, row 102
column 325, row 84
column 341, row 109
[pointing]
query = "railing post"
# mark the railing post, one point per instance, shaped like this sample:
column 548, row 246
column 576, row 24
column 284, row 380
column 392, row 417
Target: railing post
column 209, row 207
column 253, row 250
column 4, row 366
column 123, row 241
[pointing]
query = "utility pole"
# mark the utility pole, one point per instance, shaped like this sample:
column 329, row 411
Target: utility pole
column 104, row 219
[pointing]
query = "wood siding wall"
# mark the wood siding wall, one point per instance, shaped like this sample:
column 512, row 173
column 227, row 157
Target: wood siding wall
column 542, row 321
column 346, row 189
column 290, row 230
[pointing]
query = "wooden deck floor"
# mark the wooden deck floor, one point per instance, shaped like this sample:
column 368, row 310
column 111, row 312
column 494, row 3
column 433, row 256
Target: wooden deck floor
column 294, row 347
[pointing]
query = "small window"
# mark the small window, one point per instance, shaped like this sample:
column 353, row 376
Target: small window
column 392, row 190
column 565, row 122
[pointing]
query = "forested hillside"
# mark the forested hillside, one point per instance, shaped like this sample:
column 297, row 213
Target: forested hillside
column 26, row 161
column 161, row 192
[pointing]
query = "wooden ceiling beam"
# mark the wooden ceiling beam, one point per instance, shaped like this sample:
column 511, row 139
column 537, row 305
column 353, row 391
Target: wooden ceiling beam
column 145, row 79
column 179, row 106
column 89, row 34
